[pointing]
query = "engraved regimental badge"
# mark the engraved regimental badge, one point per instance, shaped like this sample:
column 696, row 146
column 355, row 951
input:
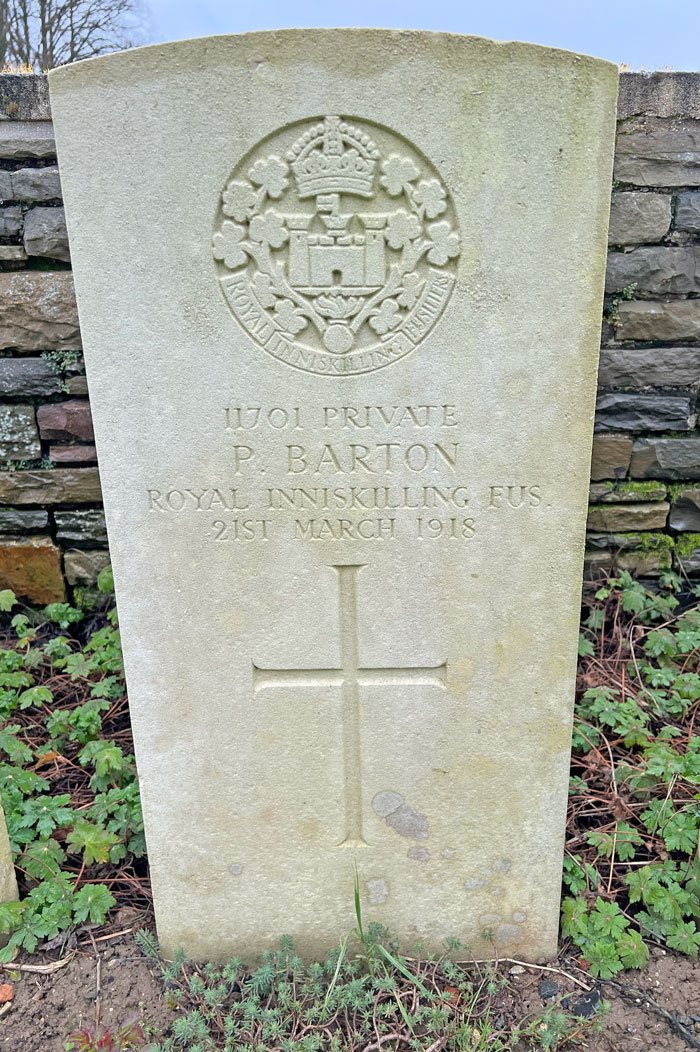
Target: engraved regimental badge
column 335, row 245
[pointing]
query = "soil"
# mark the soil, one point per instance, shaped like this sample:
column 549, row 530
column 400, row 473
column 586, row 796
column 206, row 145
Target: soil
column 46, row 1009
column 647, row 1007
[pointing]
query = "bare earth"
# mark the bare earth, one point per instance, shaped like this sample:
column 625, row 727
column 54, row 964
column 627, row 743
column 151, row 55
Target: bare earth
column 48, row 1008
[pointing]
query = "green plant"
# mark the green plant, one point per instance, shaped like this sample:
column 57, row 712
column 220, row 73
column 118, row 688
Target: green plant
column 62, row 839
column 633, row 870
column 100, row 1039
column 65, row 363
column 373, row 998
column 612, row 315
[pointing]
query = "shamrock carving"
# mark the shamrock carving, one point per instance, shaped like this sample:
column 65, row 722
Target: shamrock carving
column 430, row 194
column 289, row 317
column 239, row 200
column 387, row 317
column 271, row 175
column 399, row 172
column 269, row 229
column 402, row 228
column 411, row 287
column 263, row 290
column 445, row 243
column 227, row 245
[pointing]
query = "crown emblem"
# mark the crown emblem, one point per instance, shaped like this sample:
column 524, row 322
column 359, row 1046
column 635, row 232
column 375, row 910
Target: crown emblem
column 334, row 158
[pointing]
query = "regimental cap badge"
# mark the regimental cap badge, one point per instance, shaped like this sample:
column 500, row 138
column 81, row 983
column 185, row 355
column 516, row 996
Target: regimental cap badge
column 336, row 245
column 334, row 157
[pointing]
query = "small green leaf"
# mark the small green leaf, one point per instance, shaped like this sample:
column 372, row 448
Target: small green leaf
column 105, row 580
column 7, row 599
column 93, row 902
column 92, row 840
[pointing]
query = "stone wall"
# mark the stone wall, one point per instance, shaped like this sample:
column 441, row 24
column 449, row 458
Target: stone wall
column 645, row 479
column 645, row 475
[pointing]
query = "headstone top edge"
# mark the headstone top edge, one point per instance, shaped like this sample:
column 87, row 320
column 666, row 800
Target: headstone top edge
column 221, row 46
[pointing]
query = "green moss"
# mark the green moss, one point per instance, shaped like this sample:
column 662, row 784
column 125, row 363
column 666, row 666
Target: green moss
column 677, row 488
column 686, row 544
column 640, row 487
column 648, row 542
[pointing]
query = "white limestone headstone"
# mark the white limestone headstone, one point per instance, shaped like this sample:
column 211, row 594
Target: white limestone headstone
column 340, row 296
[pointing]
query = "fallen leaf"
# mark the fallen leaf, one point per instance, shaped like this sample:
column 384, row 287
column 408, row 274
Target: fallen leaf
column 7, row 992
column 452, row 994
column 47, row 757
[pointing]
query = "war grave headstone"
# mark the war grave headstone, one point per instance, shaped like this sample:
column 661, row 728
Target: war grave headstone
column 344, row 439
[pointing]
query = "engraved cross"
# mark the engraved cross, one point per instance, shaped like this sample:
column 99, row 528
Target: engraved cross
column 350, row 677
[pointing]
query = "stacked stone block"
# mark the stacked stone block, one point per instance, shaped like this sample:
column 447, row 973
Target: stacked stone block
column 645, row 492
column 645, row 488
column 52, row 532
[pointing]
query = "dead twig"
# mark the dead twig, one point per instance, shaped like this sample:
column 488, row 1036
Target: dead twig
column 40, row 969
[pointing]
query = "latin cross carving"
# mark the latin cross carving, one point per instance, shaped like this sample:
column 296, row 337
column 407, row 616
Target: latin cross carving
column 350, row 677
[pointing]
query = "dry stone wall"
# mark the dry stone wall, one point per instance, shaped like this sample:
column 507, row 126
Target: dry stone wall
column 645, row 475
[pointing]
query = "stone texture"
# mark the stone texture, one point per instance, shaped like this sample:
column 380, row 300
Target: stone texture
column 32, row 569
column 45, row 233
column 8, row 881
column 685, row 511
column 19, row 438
column 81, row 526
column 57, row 486
column 38, row 311
column 653, row 320
column 26, row 139
column 83, row 568
column 658, row 270
column 653, row 151
column 611, row 457
column 689, row 560
column 22, row 520
column 638, row 217
column 77, row 386
column 688, row 212
column 24, row 97
column 10, row 221
column 663, row 93
column 597, row 565
column 65, row 420
column 629, row 542
column 622, row 411
column 35, row 377
column 649, row 367
column 666, row 458
column 625, row 493
column 645, row 564
column 642, row 564
column 35, row 184
column 12, row 254
column 73, row 454
column 5, row 186
column 253, row 775
column 648, row 516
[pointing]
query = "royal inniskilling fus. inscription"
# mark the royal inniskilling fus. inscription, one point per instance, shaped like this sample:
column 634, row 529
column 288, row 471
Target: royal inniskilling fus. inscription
column 336, row 246
column 339, row 489
column 314, row 272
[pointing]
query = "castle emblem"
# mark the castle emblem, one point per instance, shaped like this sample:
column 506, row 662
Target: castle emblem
column 336, row 246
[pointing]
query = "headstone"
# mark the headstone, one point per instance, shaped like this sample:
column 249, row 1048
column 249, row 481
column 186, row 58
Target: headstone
column 8, row 880
column 340, row 295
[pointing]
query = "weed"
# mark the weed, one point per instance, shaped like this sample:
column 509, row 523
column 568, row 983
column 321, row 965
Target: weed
column 60, row 840
column 99, row 1039
column 372, row 999
column 636, row 872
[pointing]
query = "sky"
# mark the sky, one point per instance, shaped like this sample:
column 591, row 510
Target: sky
column 644, row 34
